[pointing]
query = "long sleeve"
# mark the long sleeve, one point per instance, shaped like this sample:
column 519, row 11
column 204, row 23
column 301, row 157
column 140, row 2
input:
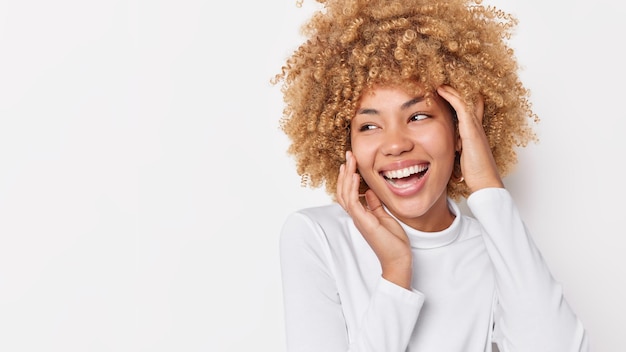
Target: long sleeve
column 314, row 315
column 531, row 313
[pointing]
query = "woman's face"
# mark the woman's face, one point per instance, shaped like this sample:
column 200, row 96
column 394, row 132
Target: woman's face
column 404, row 146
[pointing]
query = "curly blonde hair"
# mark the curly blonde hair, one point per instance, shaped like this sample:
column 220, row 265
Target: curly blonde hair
column 419, row 44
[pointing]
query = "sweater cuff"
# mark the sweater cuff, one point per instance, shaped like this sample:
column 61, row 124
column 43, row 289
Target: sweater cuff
column 493, row 195
column 412, row 297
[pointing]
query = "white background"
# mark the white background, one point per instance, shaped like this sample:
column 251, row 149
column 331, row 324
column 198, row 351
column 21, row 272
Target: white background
column 144, row 180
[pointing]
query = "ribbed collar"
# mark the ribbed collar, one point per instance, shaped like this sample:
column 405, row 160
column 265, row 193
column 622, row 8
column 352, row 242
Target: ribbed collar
column 427, row 240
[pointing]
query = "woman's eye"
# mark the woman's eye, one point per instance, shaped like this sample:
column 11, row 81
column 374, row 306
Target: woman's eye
column 367, row 127
column 418, row 117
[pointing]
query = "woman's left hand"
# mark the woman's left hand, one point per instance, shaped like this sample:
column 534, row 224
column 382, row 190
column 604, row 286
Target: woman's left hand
column 477, row 163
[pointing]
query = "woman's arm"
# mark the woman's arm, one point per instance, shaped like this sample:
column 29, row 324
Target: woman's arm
column 532, row 314
column 314, row 316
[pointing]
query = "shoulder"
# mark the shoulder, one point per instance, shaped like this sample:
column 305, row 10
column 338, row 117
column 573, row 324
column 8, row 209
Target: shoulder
column 326, row 213
column 313, row 226
column 320, row 218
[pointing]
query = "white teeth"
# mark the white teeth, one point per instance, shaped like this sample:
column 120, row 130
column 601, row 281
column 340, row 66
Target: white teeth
column 405, row 172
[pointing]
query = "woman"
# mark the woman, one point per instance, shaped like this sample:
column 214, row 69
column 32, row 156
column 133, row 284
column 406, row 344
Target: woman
column 399, row 108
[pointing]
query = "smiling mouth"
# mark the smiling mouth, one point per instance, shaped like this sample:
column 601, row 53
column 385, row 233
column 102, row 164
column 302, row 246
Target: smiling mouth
column 406, row 177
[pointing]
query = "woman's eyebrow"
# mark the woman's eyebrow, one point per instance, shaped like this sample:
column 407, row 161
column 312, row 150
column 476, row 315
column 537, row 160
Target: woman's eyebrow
column 412, row 102
column 404, row 106
column 367, row 111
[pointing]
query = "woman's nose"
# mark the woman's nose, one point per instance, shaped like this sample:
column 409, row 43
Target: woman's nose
column 397, row 141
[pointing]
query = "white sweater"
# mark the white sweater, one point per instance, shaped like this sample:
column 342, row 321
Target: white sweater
column 479, row 281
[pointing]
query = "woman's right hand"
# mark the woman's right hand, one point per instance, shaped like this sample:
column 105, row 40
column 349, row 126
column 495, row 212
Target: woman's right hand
column 381, row 231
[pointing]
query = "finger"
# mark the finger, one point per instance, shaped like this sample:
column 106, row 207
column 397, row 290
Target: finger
column 376, row 208
column 350, row 162
column 352, row 190
column 340, row 182
column 348, row 187
column 367, row 220
column 477, row 164
column 479, row 109
column 453, row 97
column 344, row 180
column 353, row 196
column 470, row 121
column 373, row 202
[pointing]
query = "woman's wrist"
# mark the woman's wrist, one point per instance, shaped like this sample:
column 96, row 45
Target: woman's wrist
column 400, row 274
